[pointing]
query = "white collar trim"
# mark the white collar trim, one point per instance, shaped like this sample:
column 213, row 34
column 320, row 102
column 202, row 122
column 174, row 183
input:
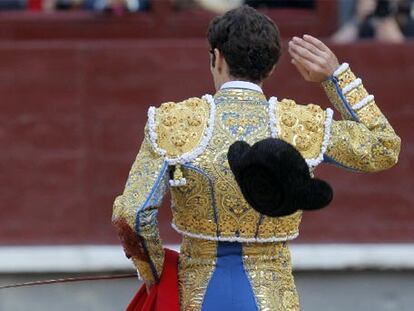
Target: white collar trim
column 241, row 85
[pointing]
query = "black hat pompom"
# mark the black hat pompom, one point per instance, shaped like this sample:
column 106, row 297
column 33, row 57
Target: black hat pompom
column 274, row 178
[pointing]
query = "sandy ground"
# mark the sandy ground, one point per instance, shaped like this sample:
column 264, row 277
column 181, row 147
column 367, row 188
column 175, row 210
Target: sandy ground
column 338, row 291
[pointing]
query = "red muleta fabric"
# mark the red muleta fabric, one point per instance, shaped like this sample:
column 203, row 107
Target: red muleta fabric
column 164, row 295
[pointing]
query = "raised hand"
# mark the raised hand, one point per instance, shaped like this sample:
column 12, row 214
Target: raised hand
column 312, row 58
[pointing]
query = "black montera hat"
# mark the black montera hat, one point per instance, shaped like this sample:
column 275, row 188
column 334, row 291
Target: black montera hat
column 274, row 178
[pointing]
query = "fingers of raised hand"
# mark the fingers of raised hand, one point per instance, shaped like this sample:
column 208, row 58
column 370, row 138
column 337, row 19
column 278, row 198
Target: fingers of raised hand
column 303, row 61
column 302, row 70
column 303, row 52
column 310, row 47
column 321, row 59
column 316, row 42
column 330, row 61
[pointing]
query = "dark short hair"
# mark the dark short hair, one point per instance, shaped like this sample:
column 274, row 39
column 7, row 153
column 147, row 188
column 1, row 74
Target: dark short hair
column 248, row 40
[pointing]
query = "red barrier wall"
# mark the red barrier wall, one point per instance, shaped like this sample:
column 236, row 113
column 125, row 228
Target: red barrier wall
column 72, row 115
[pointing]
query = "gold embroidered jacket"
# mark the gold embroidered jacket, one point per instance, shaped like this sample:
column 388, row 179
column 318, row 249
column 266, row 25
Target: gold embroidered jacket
column 185, row 149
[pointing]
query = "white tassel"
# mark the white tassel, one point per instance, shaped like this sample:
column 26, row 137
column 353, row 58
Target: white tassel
column 341, row 69
column 152, row 132
column 312, row 163
column 351, row 86
column 178, row 182
column 363, row 102
column 273, row 117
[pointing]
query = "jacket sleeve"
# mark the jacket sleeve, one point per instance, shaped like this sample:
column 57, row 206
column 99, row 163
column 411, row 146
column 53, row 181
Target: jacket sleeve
column 364, row 140
column 135, row 212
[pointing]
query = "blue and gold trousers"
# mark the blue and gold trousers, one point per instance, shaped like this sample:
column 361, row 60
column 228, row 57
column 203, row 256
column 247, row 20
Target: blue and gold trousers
column 217, row 276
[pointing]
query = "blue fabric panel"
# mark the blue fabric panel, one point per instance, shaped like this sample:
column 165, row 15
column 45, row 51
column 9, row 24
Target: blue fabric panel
column 229, row 288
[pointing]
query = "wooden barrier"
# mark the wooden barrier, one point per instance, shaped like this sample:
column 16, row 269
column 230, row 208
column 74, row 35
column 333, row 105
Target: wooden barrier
column 72, row 115
column 162, row 21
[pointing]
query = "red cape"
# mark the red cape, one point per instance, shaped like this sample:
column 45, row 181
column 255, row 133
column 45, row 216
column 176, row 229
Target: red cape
column 163, row 295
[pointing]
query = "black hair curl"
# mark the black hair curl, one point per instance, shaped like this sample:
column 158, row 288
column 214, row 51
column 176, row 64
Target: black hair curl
column 249, row 42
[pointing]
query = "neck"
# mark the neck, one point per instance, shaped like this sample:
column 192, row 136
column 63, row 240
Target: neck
column 229, row 79
column 241, row 85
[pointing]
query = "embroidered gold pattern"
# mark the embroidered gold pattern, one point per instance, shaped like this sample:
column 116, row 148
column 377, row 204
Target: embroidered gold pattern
column 155, row 251
column 302, row 126
column 369, row 145
column 355, row 95
column 211, row 204
column 196, row 266
column 142, row 176
column 193, row 205
column 180, row 127
column 345, row 78
column 360, row 147
column 336, row 101
column 269, row 268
